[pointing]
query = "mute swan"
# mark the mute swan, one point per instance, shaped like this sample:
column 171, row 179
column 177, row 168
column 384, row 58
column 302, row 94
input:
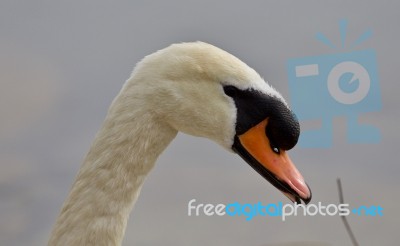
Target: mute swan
column 195, row 88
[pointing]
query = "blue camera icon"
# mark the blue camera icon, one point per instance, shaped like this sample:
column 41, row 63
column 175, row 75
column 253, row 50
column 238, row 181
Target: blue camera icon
column 328, row 86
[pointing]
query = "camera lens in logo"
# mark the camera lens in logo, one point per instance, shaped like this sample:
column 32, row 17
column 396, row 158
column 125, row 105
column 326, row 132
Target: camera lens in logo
column 359, row 75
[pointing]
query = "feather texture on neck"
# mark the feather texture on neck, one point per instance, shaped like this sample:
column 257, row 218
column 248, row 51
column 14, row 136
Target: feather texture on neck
column 109, row 181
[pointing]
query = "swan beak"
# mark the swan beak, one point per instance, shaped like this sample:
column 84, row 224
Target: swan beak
column 275, row 166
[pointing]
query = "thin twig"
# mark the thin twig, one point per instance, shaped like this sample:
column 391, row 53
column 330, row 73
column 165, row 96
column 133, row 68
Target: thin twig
column 346, row 224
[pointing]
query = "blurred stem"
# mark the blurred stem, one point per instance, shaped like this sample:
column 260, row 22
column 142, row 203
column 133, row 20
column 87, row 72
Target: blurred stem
column 345, row 222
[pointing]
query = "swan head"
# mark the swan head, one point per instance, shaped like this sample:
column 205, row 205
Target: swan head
column 201, row 90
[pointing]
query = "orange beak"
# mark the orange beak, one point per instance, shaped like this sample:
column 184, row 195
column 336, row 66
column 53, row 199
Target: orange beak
column 272, row 163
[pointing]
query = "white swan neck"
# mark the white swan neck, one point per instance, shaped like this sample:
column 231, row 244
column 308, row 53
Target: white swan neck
column 109, row 181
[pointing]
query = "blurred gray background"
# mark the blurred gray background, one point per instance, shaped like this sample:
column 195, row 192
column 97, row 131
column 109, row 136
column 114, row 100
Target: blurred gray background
column 62, row 63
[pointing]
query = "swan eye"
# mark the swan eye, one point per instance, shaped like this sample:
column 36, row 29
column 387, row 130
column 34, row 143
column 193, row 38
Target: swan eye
column 230, row 90
column 275, row 149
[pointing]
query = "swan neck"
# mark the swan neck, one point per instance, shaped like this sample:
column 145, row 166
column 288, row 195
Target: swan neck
column 109, row 181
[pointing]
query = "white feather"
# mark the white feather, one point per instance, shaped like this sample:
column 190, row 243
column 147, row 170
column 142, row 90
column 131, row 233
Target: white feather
column 175, row 89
